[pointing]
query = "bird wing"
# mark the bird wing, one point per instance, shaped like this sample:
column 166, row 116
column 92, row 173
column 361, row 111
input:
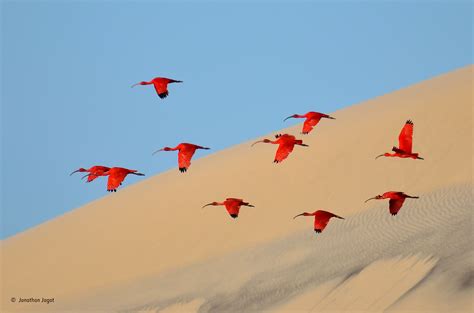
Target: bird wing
column 321, row 219
column 395, row 205
column 309, row 123
column 184, row 157
column 97, row 172
column 161, row 88
column 284, row 149
column 91, row 177
column 405, row 139
column 232, row 206
column 115, row 180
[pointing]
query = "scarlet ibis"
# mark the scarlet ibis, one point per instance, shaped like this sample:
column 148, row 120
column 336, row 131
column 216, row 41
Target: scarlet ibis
column 117, row 175
column 312, row 119
column 396, row 200
column 286, row 144
column 94, row 172
column 160, row 84
column 321, row 219
column 186, row 152
column 232, row 205
column 405, row 143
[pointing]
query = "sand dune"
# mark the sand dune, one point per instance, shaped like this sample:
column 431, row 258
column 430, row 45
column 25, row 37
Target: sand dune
column 150, row 247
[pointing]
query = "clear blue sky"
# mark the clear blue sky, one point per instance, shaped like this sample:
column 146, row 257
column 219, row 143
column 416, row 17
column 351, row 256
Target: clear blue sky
column 67, row 70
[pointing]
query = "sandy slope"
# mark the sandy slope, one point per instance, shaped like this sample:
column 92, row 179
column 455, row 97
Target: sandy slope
column 150, row 246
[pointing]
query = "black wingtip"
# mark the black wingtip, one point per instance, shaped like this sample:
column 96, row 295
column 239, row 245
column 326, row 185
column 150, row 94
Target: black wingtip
column 163, row 95
column 317, row 231
column 183, row 169
column 409, row 122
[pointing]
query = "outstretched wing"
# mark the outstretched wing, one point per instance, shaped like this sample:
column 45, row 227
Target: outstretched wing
column 115, row 180
column 405, row 139
column 91, row 177
column 395, row 205
column 161, row 88
column 309, row 123
column 321, row 219
column 284, row 149
column 233, row 206
column 97, row 171
column 184, row 158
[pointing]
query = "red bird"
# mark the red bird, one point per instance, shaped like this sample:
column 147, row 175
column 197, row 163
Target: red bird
column 232, row 205
column 94, row 172
column 286, row 144
column 321, row 219
column 160, row 84
column 396, row 200
column 312, row 119
column 405, row 143
column 116, row 177
column 186, row 152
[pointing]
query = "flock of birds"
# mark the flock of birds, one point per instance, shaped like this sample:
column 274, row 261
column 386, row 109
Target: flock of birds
column 286, row 144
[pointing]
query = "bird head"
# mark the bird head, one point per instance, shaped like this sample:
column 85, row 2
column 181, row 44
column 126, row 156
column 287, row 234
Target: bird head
column 140, row 83
column 212, row 203
column 79, row 170
column 374, row 198
column 163, row 149
column 291, row 116
column 384, row 154
column 264, row 141
column 303, row 214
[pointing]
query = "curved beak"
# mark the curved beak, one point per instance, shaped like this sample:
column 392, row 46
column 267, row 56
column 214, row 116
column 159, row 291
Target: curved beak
column 156, row 151
column 331, row 118
column 298, row 215
column 206, row 205
column 74, row 172
column 370, row 199
column 378, row 156
column 420, row 158
column 288, row 118
column 86, row 176
column 135, row 85
column 256, row 142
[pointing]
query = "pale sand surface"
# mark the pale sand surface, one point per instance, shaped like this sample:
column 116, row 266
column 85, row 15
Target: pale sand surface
column 150, row 247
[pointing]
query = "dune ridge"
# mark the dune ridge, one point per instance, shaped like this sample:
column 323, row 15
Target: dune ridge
column 155, row 230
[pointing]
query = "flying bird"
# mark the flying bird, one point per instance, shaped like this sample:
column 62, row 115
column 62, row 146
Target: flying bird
column 117, row 175
column 405, row 143
column 232, row 205
column 321, row 219
column 312, row 119
column 396, row 200
column 286, row 144
column 94, row 172
column 160, row 84
column 185, row 154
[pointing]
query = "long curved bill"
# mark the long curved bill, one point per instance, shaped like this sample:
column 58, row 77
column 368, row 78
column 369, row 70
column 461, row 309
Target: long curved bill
column 298, row 215
column 74, row 172
column 370, row 199
column 156, row 151
column 288, row 118
column 206, row 205
column 378, row 156
column 257, row 142
column 135, row 85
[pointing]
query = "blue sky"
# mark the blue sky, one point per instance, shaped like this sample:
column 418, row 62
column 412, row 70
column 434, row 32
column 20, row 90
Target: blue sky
column 67, row 69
